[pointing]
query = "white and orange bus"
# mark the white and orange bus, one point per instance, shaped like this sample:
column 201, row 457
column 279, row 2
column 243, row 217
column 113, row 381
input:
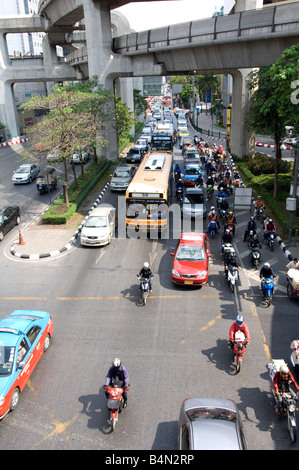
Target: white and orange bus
column 149, row 193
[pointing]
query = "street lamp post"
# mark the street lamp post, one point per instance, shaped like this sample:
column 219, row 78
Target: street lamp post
column 292, row 201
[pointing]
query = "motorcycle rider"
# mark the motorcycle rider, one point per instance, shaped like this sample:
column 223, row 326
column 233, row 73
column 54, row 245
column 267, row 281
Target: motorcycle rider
column 294, row 264
column 266, row 272
column 213, row 216
column 259, row 203
column 251, row 226
column 120, row 373
column 226, row 238
column 230, row 260
column 254, row 243
column 269, row 228
column 231, row 220
column 239, row 325
column 177, row 171
column 146, row 272
column 179, row 186
column 281, row 384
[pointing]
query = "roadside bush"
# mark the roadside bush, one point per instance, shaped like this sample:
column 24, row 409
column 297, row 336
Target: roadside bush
column 261, row 164
column 267, row 181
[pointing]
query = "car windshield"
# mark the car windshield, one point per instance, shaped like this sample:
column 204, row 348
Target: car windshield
column 190, row 253
column 193, row 199
column 191, row 155
column 23, row 169
column 96, row 221
column 7, row 354
column 192, row 171
column 212, row 413
column 122, row 174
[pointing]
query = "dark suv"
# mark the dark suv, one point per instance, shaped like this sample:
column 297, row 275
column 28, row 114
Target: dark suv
column 134, row 155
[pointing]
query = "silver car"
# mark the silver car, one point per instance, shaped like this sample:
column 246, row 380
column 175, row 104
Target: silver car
column 26, row 173
column 210, row 424
column 121, row 178
column 99, row 226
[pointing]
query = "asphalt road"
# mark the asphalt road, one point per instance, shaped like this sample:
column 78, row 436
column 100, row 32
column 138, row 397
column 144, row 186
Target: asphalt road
column 174, row 347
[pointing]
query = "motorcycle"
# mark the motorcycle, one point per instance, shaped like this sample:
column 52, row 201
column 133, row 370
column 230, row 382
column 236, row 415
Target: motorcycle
column 212, row 228
column 260, row 214
column 270, row 240
column 255, row 256
column 179, row 194
column 210, row 190
column 144, row 288
column 115, row 401
column 239, row 349
column 268, row 289
column 232, row 277
column 222, row 216
column 287, row 405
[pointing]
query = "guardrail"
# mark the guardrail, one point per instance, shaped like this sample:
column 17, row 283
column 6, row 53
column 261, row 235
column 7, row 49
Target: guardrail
column 278, row 20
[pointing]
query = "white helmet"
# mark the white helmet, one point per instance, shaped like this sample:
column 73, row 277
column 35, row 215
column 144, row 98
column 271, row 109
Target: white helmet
column 146, row 265
column 116, row 362
column 284, row 369
column 267, row 265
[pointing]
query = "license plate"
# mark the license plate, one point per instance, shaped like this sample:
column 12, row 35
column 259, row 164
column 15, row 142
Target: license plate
column 188, row 282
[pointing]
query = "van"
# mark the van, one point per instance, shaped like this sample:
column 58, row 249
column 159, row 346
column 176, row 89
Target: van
column 194, row 203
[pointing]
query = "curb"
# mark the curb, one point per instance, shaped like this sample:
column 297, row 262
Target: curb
column 68, row 246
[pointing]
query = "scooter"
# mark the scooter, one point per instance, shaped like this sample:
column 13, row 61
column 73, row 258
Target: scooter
column 287, row 405
column 144, row 288
column 239, row 349
column 255, row 256
column 232, row 277
column 270, row 240
column 268, row 289
column 212, row 228
column 115, row 401
column 222, row 216
column 210, row 190
column 260, row 214
column 179, row 194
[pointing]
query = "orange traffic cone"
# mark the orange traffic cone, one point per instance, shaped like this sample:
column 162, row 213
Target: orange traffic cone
column 21, row 241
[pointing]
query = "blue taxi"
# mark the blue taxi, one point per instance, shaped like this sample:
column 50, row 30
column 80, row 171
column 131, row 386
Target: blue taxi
column 24, row 336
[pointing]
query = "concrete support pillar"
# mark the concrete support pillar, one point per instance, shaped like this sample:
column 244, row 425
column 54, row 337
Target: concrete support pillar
column 242, row 141
column 50, row 59
column 98, row 42
column 9, row 110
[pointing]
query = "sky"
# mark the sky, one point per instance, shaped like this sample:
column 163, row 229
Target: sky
column 147, row 15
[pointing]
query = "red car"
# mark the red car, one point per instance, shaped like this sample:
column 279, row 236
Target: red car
column 191, row 260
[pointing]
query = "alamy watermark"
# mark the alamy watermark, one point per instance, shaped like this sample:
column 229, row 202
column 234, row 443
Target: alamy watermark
column 177, row 222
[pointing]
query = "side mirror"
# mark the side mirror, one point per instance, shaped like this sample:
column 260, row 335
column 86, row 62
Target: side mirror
column 172, row 254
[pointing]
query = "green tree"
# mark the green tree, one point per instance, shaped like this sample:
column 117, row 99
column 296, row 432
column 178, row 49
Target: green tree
column 66, row 126
column 285, row 77
column 140, row 104
column 273, row 102
column 263, row 116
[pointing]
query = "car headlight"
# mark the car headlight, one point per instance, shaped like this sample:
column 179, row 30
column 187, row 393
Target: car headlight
column 83, row 235
column 175, row 273
column 2, row 400
column 202, row 273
